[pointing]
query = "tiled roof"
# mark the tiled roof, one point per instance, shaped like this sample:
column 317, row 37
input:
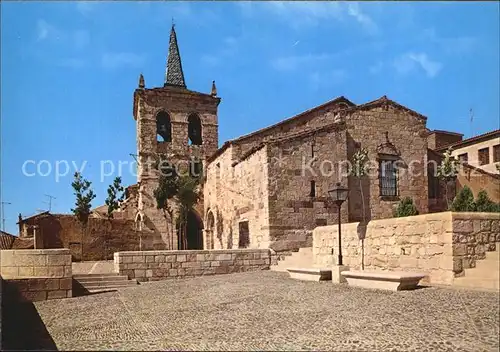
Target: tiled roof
column 472, row 140
column 6, row 240
column 174, row 76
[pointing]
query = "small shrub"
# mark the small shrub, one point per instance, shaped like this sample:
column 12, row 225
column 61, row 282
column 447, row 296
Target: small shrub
column 464, row 201
column 485, row 204
column 406, row 207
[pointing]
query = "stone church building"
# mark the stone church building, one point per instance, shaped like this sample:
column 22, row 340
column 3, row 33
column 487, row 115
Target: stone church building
column 270, row 188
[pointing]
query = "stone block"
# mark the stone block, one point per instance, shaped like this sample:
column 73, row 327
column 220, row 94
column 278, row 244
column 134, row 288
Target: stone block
column 337, row 277
column 165, row 265
column 68, row 271
column 138, row 273
column 26, row 271
column 149, row 273
column 159, row 258
column 170, row 258
column 54, row 260
column 172, row 272
column 41, row 271
column 463, row 226
column 149, row 259
column 35, row 296
column 57, row 294
column 66, row 283
column 215, row 263
column 69, row 293
column 181, row 258
column 138, row 259
column 200, row 257
column 7, row 258
column 36, row 284
column 55, row 271
column 191, row 265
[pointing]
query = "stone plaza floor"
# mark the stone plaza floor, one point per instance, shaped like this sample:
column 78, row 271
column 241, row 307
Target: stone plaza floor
column 269, row 311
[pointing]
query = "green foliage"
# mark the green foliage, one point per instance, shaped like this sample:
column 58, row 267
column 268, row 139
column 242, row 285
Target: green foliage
column 448, row 169
column 485, row 204
column 84, row 196
column 116, row 195
column 405, row 207
column 359, row 160
column 464, row 201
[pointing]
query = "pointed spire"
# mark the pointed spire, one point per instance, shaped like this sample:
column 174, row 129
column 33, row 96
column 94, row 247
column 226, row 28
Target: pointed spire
column 142, row 85
column 174, row 75
column 214, row 90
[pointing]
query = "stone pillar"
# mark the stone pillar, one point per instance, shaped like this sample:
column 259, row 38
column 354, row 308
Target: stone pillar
column 336, row 270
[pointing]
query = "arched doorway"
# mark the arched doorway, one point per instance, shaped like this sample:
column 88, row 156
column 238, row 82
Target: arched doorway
column 210, row 230
column 194, row 232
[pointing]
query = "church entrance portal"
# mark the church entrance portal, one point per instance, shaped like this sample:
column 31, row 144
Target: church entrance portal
column 194, row 232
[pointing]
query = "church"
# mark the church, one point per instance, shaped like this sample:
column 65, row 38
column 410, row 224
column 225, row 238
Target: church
column 269, row 188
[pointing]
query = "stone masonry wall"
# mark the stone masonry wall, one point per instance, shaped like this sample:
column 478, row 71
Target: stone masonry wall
column 160, row 265
column 407, row 133
column 179, row 104
column 236, row 193
column 439, row 244
column 37, row 274
column 298, row 166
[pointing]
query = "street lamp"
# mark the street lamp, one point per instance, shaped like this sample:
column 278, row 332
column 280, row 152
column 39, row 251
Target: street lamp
column 339, row 195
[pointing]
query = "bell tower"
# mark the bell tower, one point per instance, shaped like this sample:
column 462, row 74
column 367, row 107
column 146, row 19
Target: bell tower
column 175, row 123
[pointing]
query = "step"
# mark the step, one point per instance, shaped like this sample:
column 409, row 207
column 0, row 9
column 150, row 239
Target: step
column 306, row 250
column 486, row 265
column 310, row 274
column 93, row 284
column 78, row 276
column 101, row 278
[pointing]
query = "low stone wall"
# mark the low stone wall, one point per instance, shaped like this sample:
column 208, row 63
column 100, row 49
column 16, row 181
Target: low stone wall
column 159, row 265
column 36, row 274
column 439, row 244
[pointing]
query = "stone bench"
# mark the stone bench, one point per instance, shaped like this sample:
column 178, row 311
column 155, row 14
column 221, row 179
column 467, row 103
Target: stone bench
column 310, row 274
column 384, row 280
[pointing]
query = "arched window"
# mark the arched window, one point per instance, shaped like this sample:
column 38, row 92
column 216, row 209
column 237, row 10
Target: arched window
column 194, row 130
column 163, row 127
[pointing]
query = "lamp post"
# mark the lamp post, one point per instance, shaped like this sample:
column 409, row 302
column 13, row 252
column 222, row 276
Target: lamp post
column 339, row 195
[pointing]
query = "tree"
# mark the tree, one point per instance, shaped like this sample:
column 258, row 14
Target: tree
column 464, row 201
column 166, row 190
column 116, row 195
column 485, row 204
column 406, row 207
column 358, row 170
column 447, row 171
column 84, row 196
column 183, row 189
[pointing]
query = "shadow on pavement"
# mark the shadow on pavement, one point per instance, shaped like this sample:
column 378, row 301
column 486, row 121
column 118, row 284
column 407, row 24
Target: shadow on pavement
column 22, row 326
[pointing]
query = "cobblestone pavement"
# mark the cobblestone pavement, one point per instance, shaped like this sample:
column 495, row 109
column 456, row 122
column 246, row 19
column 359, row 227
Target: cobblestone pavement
column 268, row 311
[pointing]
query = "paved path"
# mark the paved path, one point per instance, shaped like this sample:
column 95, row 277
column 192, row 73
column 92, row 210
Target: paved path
column 269, row 311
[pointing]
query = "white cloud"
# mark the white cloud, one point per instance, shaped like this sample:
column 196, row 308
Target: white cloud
column 290, row 63
column 86, row 7
column 309, row 13
column 46, row 32
column 366, row 21
column 408, row 62
column 111, row 60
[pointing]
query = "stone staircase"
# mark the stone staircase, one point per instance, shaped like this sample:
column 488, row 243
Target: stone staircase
column 301, row 259
column 93, row 283
column 486, row 274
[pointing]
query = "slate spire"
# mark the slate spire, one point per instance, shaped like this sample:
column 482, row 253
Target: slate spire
column 173, row 73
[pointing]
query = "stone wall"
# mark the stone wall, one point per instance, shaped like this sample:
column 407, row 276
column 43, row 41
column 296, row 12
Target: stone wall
column 439, row 244
column 37, row 274
column 406, row 139
column 236, row 193
column 301, row 171
column 179, row 104
column 160, row 265
column 101, row 238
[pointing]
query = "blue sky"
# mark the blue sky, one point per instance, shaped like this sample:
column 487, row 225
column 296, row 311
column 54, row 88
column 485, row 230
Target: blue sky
column 68, row 72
